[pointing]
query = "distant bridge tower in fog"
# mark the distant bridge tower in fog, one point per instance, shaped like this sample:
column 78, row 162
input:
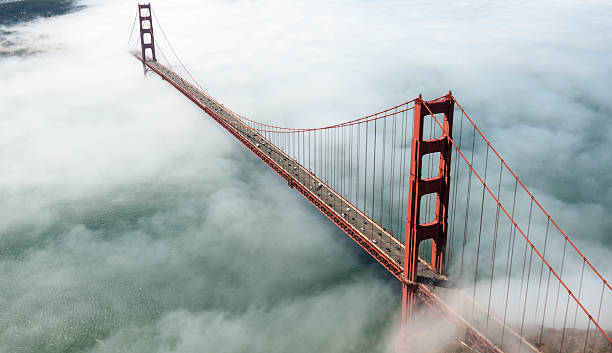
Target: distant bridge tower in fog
column 420, row 189
column 147, row 41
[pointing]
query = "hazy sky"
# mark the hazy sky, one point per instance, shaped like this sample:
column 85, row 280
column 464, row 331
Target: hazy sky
column 131, row 222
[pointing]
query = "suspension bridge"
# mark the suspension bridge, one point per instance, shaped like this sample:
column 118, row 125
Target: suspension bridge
column 420, row 188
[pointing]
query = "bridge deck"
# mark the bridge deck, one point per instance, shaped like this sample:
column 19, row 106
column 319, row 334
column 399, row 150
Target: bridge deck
column 363, row 225
column 386, row 249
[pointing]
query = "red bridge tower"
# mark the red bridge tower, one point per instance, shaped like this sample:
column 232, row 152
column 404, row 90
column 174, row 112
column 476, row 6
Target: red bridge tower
column 147, row 42
column 418, row 187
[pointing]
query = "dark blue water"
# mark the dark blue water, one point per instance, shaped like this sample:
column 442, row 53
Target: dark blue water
column 14, row 12
column 12, row 42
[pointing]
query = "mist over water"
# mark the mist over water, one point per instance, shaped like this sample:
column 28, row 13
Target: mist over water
column 133, row 223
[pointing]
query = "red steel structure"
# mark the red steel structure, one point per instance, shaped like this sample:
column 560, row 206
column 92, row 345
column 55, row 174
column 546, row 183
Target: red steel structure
column 416, row 232
column 147, row 41
column 481, row 263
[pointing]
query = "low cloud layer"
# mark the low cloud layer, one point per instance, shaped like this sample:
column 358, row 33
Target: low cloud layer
column 133, row 223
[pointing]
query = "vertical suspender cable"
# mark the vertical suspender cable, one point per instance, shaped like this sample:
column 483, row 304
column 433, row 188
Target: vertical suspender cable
column 391, row 193
column 365, row 172
column 382, row 170
column 501, row 165
column 541, row 269
column 559, row 283
column 455, row 191
column 467, row 208
column 480, row 227
column 509, row 260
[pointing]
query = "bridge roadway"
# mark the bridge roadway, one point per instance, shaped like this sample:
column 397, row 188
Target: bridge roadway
column 435, row 290
column 297, row 175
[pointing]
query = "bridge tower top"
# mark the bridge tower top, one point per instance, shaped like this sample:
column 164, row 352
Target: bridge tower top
column 147, row 41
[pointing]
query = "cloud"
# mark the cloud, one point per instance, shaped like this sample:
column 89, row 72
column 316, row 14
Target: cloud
column 131, row 222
